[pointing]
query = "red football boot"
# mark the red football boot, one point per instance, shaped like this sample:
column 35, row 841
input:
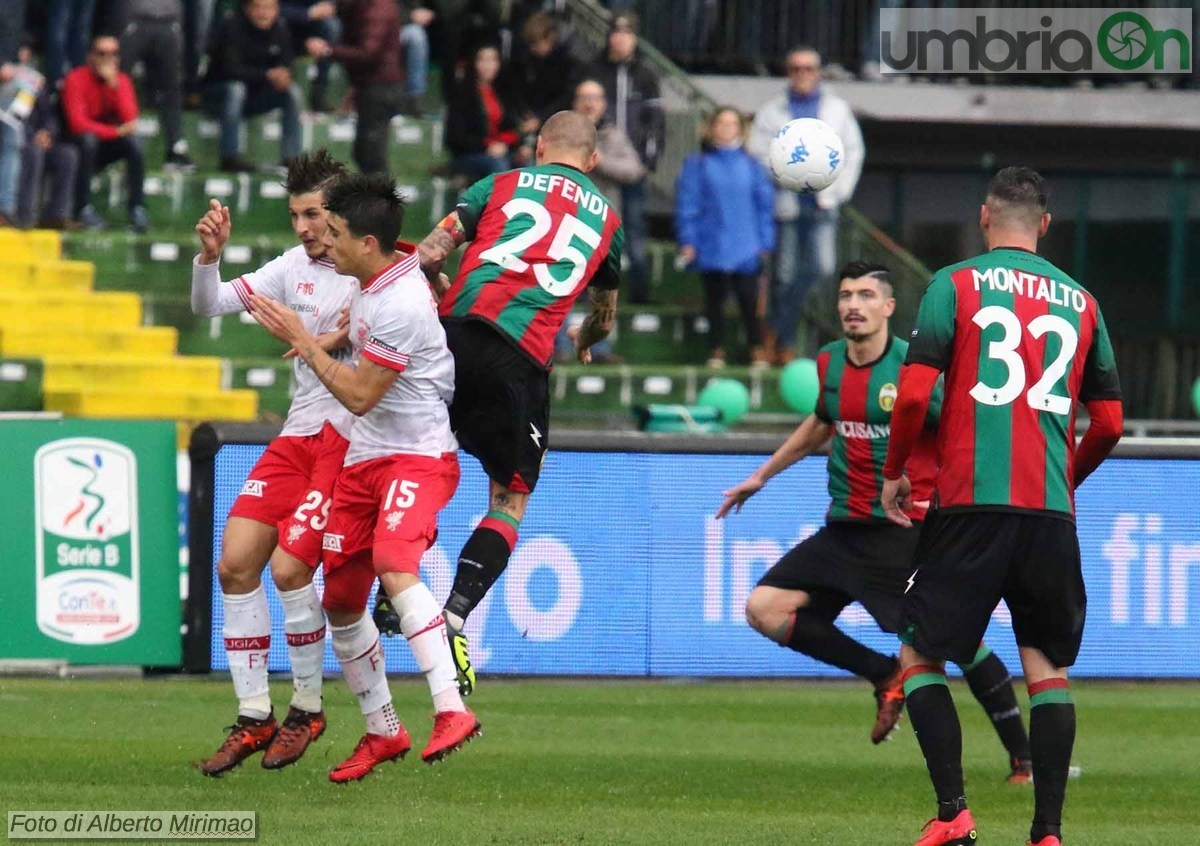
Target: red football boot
column 373, row 749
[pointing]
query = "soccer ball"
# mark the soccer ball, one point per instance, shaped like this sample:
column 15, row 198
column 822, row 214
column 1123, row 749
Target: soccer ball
column 806, row 156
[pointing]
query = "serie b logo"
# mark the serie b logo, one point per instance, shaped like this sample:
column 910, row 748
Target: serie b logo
column 85, row 494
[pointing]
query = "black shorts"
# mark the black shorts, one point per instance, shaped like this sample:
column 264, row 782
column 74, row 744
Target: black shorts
column 501, row 408
column 848, row 561
column 968, row 561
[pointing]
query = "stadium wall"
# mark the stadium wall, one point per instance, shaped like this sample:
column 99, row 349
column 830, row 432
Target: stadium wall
column 622, row 570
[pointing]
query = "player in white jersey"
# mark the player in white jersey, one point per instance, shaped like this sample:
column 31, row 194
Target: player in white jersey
column 400, row 471
column 283, row 507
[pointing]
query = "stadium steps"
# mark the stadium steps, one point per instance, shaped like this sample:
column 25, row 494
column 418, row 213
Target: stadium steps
column 156, row 404
column 65, row 347
column 414, row 143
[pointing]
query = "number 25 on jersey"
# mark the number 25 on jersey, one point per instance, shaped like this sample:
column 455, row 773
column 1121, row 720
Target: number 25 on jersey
column 509, row 253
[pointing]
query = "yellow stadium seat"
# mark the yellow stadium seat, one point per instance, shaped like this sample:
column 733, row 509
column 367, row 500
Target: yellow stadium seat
column 76, row 275
column 67, row 312
column 148, row 341
column 31, row 244
column 131, row 373
column 45, row 277
column 164, row 404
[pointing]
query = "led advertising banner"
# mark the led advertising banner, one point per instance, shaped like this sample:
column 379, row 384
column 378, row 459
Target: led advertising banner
column 621, row 569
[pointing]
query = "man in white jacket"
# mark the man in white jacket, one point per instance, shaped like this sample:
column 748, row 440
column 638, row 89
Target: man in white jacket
column 807, row 224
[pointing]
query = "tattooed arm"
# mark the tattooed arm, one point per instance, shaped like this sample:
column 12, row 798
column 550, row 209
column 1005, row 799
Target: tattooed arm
column 597, row 324
column 445, row 238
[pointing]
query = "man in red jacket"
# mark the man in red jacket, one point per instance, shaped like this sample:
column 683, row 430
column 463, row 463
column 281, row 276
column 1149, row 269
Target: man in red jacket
column 101, row 112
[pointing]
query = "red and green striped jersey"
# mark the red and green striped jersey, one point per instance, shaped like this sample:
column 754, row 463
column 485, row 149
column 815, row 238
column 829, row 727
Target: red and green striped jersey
column 1021, row 343
column 539, row 235
column 857, row 401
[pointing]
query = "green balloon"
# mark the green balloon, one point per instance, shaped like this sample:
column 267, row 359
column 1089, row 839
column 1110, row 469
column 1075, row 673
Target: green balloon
column 799, row 385
column 1196, row 397
column 728, row 395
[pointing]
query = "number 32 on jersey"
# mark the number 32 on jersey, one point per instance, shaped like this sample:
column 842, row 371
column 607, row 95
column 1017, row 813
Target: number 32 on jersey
column 1039, row 396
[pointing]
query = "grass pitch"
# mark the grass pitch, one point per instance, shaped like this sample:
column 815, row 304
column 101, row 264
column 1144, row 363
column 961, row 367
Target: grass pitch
column 583, row 762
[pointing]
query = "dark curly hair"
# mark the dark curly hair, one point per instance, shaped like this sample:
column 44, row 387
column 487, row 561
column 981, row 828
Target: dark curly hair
column 312, row 171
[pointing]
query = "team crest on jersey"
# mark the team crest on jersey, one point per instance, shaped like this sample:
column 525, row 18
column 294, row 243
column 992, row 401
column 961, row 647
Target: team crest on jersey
column 394, row 519
column 887, row 396
column 296, row 532
column 253, row 487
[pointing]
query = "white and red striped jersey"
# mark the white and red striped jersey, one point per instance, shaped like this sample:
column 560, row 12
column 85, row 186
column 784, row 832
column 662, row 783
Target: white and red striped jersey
column 312, row 289
column 394, row 323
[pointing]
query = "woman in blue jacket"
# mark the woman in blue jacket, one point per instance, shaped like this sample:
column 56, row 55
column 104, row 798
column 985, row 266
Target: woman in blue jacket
column 725, row 224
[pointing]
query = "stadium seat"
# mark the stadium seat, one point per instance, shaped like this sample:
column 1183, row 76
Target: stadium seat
column 161, row 404
column 131, row 373
column 47, row 276
column 51, row 312
column 93, row 340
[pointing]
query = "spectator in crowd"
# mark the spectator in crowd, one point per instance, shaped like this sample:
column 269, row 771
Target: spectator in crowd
column 11, row 133
column 314, row 19
column 48, row 158
column 635, row 104
column 807, row 224
column 250, row 74
column 371, row 57
column 619, row 165
column 483, row 129
column 68, row 29
column 724, row 218
column 197, row 24
column 152, row 33
column 548, row 70
column 100, row 107
column 414, row 41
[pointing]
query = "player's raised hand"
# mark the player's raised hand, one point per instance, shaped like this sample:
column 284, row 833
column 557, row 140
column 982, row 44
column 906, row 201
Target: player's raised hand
column 896, row 499
column 214, row 229
column 736, row 496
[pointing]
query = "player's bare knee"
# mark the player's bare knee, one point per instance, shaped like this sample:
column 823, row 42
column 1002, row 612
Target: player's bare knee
column 237, row 577
column 761, row 611
column 290, row 573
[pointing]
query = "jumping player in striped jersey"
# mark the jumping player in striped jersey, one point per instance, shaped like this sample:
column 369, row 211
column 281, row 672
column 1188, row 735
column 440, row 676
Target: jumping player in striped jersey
column 1020, row 343
column 281, row 511
column 401, row 467
column 538, row 236
column 859, row 555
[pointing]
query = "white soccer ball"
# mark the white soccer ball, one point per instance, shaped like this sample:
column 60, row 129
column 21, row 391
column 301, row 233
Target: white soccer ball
column 806, row 156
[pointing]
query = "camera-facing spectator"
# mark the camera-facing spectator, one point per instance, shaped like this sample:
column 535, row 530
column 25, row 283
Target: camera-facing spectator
column 483, row 128
column 371, row 56
column 635, row 105
column 49, row 165
column 547, row 70
column 100, row 107
column 724, row 204
column 807, row 224
column 619, row 163
column 152, row 33
column 314, row 19
column 250, row 74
